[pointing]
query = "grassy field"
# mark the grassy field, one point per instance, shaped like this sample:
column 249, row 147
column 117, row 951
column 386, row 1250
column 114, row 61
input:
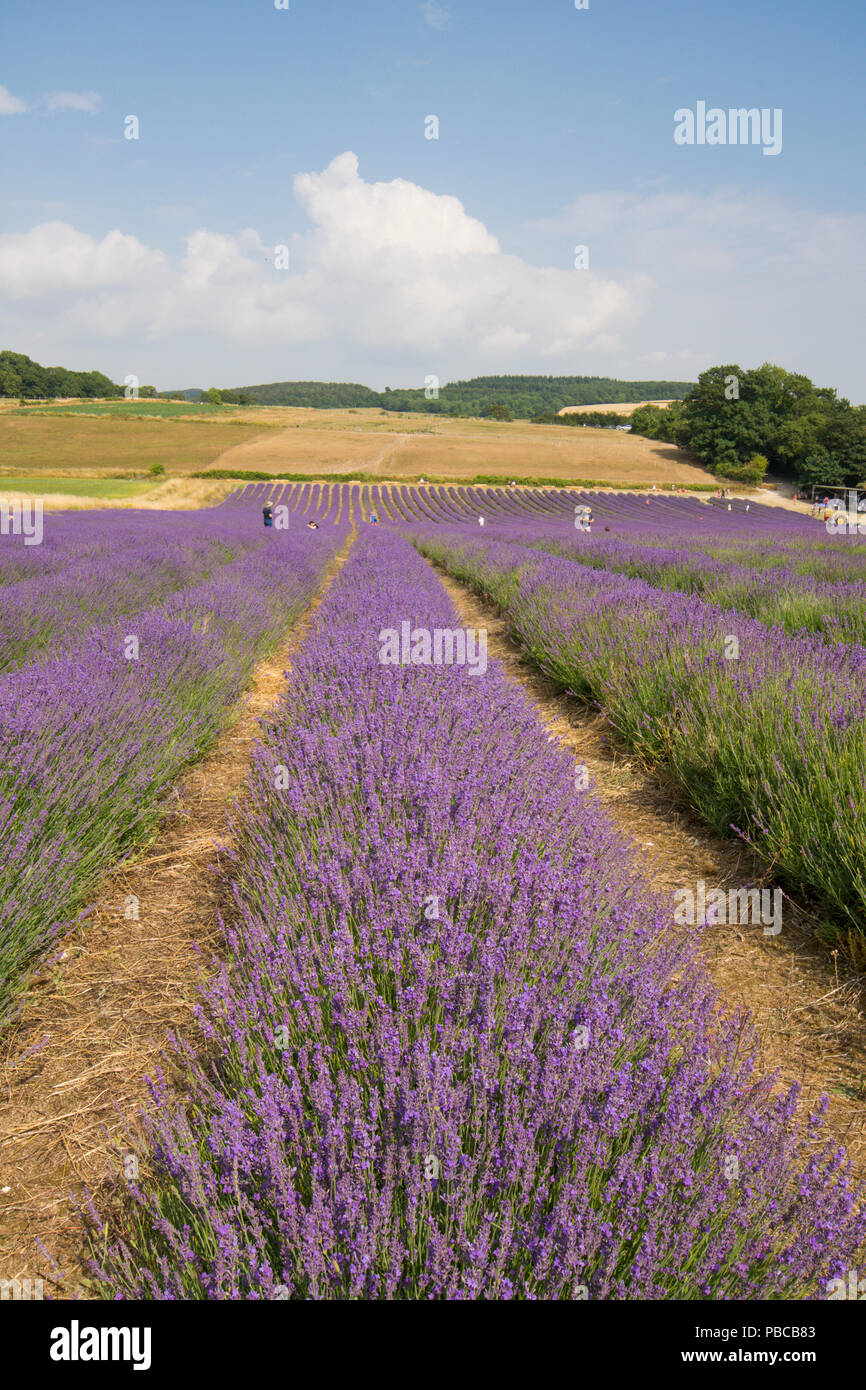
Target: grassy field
column 75, row 487
column 129, row 410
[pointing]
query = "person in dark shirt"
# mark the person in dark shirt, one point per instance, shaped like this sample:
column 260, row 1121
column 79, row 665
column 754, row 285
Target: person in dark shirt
column 268, row 515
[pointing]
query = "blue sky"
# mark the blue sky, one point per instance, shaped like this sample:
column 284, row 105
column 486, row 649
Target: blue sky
column 452, row 256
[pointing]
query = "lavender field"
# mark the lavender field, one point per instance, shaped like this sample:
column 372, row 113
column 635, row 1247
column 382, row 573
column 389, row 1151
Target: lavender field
column 122, row 649
column 452, row 1044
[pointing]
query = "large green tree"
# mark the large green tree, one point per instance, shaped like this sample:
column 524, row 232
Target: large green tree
column 732, row 414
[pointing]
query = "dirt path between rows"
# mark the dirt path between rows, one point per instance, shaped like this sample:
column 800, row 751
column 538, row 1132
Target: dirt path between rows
column 73, row 1068
column 807, row 1006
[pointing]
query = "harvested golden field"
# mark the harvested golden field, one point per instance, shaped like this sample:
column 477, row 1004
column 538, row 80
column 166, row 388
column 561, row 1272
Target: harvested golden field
column 405, row 446
column 537, row 451
column 86, row 444
column 315, row 446
column 281, row 440
column 615, row 408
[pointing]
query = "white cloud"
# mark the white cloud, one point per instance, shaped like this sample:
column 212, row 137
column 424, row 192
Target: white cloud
column 738, row 276
column 389, row 270
column 74, row 101
column 392, row 282
column 51, row 101
column 9, row 104
column 364, row 219
column 54, row 259
column 435, row 15
column 504, row 340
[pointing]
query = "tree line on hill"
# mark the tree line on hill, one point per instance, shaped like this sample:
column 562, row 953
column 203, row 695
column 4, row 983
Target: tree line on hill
column 596, row 419
column 493, row 397
column 739, row 423
column 22, row 377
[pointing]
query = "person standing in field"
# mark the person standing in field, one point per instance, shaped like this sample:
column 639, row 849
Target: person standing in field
column 268, row 515
column 481, row 521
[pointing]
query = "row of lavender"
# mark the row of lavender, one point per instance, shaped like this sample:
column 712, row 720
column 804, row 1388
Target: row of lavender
column 785, row 592
column 97, row 567
column 760, row 538
column 764, row 731
column 456, row 1052
column 93, row 735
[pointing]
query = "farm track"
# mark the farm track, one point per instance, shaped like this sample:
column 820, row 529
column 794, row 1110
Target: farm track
column 806, row 1005
column 390, row 451
column 95, row 1022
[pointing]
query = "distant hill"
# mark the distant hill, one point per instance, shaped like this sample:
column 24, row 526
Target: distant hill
column 522, row 396
column 320, row 395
